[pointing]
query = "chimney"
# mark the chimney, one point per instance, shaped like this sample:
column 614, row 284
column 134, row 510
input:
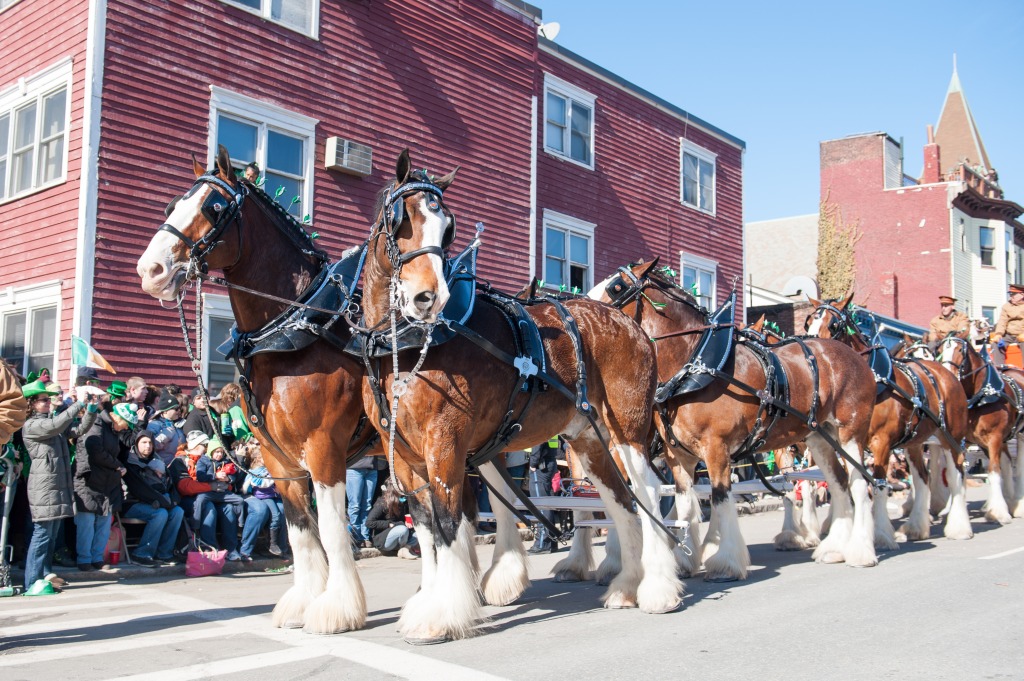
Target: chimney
column 932, row 169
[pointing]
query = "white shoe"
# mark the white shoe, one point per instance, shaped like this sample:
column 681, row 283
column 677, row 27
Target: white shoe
column 404, row 552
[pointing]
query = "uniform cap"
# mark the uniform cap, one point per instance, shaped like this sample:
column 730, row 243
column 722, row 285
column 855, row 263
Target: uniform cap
column 1014, row 288
column 947, row 300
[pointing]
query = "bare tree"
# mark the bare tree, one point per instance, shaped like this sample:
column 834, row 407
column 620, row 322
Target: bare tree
column 837, row 244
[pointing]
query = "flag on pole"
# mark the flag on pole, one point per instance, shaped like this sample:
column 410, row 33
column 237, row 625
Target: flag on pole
column 84, row 355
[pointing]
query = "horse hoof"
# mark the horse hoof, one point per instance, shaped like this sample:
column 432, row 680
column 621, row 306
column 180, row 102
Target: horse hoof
column 831, row 557
column 664, row 611
column 620, row 602
column 426, row 641
column 722, row 579
column 292, row 624
column 567, row 577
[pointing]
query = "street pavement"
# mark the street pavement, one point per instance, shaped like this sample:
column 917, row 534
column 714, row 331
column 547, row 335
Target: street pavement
column 934, row 609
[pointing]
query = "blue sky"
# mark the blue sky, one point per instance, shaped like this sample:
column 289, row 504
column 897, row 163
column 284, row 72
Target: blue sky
column 783, row 76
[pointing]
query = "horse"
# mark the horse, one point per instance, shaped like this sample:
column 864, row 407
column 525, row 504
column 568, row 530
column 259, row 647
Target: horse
column 451, row 398
column 996, row 402
column 721, row 418
column 917, row 400
column 311, row 398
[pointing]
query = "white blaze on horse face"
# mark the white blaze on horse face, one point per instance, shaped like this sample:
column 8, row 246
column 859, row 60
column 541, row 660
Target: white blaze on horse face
column 816, row 321
column 161, row 272
column 598, row 292
column 432, row 230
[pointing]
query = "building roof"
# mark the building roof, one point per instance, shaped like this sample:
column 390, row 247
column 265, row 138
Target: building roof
column 956, row 132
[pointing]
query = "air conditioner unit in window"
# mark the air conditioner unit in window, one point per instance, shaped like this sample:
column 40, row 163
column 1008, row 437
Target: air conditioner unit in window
column 348, row 157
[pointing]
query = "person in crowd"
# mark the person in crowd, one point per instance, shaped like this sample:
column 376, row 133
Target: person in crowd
column 543, row 465
column 87, row 376
column 136, row 392
column 391, row 524
column 50, row 479
column 360, row 481
column 182, row 472
column 166, row 433
column 949, row 320
column 150, row 496
column 98, row 473
column 898, row 472
column 200, row 418
column 263, row 504
column 221, row 507
column 252, row 172
column 1010, row 324
column 118, row 391
column 227, row 405
column 516, row 462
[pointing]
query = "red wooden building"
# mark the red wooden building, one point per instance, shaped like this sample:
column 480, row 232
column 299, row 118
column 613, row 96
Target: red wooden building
column 574, row 170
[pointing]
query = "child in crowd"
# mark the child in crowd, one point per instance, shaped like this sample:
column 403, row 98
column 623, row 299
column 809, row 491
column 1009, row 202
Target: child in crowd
column 215, row 469
column 391, row 524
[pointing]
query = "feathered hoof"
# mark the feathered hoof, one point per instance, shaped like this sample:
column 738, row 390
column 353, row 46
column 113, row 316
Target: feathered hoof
column 1002, row 518
column 429, row 641
column 721, row 579
column 830, row 557
column 568, row 577
column 619, row 601
column 790, row 541
column 915, row 533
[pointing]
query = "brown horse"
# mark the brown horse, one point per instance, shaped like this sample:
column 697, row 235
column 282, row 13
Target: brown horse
column 898, row 422
column 458, row 393
column 716, row 421
column 312, row 398
column 996, row 400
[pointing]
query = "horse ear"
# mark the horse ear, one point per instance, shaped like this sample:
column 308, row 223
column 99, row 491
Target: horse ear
column 907, row 339
column 814, row 301
column 403, row 167
column 759, row 324
column 650, row 266
column 224, row 163
column 196, row 168
column 447, row 180
column 846, row 301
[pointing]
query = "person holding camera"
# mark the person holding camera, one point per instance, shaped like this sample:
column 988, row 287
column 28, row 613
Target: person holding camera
column 149, row 487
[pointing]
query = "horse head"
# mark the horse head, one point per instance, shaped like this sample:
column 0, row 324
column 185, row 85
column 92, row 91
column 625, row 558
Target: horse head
column 832, row 318
column 196, row 228
column 412, row 221
column 956, row 353
column 912, row 347
column 625, row 284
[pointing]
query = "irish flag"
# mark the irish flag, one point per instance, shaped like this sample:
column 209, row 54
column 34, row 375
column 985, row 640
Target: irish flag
column 84, row 355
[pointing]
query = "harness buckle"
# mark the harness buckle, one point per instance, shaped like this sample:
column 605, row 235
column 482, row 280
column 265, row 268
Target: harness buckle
column 526, row 366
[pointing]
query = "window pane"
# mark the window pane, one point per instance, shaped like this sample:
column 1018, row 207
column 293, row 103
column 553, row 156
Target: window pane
column 51, row 160
column 554, row 138
column 255, row 4
column 690, row 179
column 5, row 131
column 284, row 153
column 555, row 110
column 44, row 330
column 54, row 112
column 220, row 331
column 14, row 340
column 706, row 284
column 578, row 251
column 25, row 127
column 555, row 243
column 21, row 171
column 580, row 138
column 238, row 138
column 292, row 12
column 553, row 272
column 221, row 371
column 986, row 235
column 3, row 179
column 578, row 278
column 707, row 186
column 292, row 190
column 689, row 278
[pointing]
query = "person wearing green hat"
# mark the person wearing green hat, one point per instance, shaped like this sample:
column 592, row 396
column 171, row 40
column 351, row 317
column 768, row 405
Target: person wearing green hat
column 97, row 484
column 50, row 485
column 117, row 391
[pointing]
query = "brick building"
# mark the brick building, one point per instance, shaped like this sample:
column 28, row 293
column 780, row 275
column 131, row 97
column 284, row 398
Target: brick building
column 574, row 170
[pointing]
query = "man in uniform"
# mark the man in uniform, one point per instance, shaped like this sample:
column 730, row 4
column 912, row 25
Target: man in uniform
column 1011, row 321
column 949, row 320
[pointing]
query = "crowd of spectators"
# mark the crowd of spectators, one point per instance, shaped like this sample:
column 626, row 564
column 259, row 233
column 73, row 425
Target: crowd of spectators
column 189, row 470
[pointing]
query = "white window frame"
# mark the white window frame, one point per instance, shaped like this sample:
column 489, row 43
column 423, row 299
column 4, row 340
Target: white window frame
column 266, row 117
column 24, row 92
column 569, row 92
column 264, row 13
column 215, row 306
column 982, row 249
column 701, row 264
column 702, row 154
column 27, row 299
column 570, row 225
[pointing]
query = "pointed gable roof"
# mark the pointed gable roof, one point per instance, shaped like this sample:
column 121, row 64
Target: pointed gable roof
column 956, row 133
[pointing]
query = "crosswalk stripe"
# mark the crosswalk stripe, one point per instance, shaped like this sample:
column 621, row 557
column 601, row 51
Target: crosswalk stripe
column 1003, row 554
column 233, row 665
column 69, row 651
column 62, row 625
column 65, row 606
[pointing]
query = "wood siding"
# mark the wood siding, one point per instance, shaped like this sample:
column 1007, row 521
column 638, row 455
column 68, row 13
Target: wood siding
column 633, row 192
column 38, row 232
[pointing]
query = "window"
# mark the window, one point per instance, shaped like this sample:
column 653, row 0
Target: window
column 281, row 143
column 1008, row 244
column 989, row 313
column 699, row 278
column 300, row 15
column 568, row 121
column 34, row 131
column 987, row 241
column 217, row 328
column 28, row 327
column 568, row 253
column 698, row 177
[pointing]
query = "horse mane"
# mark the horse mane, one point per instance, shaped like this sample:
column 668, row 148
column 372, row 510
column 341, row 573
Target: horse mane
column 665, row 277
column 281, row 213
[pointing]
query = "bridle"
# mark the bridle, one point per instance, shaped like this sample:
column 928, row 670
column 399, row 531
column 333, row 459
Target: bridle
column 220, row 211
column 841, row 321
column 393, row 215
column 625, row 287
column 964, row 360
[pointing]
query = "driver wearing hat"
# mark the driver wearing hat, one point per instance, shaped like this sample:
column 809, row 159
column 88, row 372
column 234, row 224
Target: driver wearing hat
column 949, row 320
column 1011, row 317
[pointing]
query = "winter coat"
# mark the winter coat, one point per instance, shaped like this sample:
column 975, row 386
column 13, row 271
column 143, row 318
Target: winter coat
column 50, row 479
column 167, row 438
column 207, row 469
column 97, row 469
column 380, row 521
column 199, row 419
column 13, row 405
column 145, row 485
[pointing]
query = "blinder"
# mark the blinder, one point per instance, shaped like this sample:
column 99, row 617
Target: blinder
column 218, row 210
column 620, row 292
column 395, row 216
